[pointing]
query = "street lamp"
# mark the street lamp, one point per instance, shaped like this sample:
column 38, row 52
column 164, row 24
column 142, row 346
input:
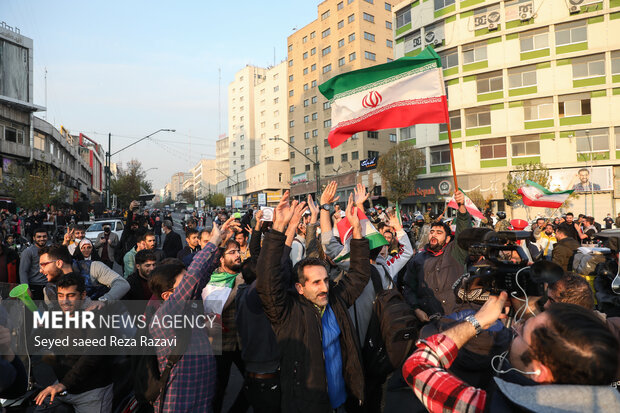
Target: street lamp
column 108, row 159
column 591, row 172
column 317, row 172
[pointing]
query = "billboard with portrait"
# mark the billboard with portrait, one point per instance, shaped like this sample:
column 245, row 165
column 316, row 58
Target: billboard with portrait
column 599, row 178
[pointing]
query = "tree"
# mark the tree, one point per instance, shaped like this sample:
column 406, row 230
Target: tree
column 188, row 196
column 535, row 172
column 478, row 199
column 34, row 187
column 215, row 199
column 399, row 169
column 129, row 182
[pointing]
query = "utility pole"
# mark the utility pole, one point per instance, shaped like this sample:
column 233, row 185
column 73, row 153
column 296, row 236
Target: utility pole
column 317, row 171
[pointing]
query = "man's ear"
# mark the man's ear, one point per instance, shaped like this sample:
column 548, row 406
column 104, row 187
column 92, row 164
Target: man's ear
column 544, row 375
column 299, row 288
column 165, row 295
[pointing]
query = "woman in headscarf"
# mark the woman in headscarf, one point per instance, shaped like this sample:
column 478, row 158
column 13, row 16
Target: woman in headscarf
column 86, row 252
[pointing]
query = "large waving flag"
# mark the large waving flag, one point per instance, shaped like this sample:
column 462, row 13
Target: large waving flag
column 538, row 196
column 398, row 94
column 345, row 232
column 469, row 205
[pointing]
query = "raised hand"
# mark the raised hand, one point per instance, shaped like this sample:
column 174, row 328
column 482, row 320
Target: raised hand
column 354, row 220
column 283, row 213
column 327, row 197
column 394, row 221
column 314, row 210
column 298, row 212
column 361, row 195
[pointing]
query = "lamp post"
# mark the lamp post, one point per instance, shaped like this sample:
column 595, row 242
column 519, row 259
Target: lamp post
column 591, row 170
column 317, row 172
column 108, row 159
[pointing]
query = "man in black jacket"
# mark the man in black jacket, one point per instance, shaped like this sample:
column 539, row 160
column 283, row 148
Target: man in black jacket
column 139, row 279
column 172, row 243
column 320, row 365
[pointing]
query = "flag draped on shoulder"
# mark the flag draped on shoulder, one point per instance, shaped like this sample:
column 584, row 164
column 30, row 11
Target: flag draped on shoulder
column 405, row 92
column 345, row 232
column 538, row 196
column 469, row 205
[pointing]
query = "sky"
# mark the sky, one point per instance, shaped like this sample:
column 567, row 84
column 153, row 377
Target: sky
column 132, row 67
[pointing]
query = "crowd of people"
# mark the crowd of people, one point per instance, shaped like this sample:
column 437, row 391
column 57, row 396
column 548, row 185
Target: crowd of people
column 309, row 287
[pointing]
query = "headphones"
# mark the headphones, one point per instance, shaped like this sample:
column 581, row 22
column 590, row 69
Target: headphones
column 501, row 358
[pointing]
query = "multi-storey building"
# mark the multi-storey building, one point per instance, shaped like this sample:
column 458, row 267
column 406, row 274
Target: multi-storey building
column 176, row 184
column 347, row 35
column 527, row 81
column 204, row 178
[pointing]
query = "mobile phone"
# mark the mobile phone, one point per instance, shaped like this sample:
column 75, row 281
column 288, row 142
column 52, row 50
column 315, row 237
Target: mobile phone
column 267, row 214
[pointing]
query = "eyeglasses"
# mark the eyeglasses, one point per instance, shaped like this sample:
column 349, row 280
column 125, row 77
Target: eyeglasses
column 43, row 264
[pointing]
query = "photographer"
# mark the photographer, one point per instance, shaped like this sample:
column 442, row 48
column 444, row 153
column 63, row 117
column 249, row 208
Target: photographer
column 106, row 244
column 566, row 344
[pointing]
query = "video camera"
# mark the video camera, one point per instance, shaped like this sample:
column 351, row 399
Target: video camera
column 500, row 265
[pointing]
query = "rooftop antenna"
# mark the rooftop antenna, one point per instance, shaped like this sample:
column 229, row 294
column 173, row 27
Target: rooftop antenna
column 219, row 102
column 45, row 93
column 274, row 56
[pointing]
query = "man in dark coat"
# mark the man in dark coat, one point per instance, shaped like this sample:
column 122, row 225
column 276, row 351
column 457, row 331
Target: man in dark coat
column 564, row 250
column 320, row 365
column 172, row 243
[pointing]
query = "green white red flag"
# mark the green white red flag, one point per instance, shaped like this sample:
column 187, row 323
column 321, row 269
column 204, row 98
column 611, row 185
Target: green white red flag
column 469, row 205
column 536, row 195
column 345, row 232
column 402, row 93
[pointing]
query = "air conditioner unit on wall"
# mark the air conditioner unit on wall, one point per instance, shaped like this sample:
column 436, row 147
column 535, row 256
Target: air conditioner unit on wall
column 525, row 16
column 574, row 5
column 573, row 9
column 492, row 26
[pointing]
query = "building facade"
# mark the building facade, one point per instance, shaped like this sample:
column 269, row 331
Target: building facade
column 527, row 81
column 176, row 184
column 347, row 35
column 204, row 178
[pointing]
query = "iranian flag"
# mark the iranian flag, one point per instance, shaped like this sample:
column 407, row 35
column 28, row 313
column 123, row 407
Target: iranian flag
column 405, row 92
column 537, row 196
column 345, row 232
column 469, row 205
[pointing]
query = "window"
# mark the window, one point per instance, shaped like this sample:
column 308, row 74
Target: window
column 407, row 133
column 534, row 40
column 388, row 24
column 291, row 139
column 369, row 17
column 325, row 33
column 313, row 51
column 313, row 67
column 341, row 61
column 493, row 148
column 291, row 123
column 291, row 92
column 369, row 1
column 10, row 135
column 344, row 157
column 307, row 151
column 588, row 66
column 306, row 135
column 315, row 116
column 355, row 155
column 615, row 62
column 292, row 171
column 475, row 52
column 305, row 87
column 305, row 55
column 351, row 37
column 290, row 78
column 475, row 117
column 455, row 121
column 327, row 68
column 522, row 77
column 569, row 33
column 597, row 140
column 327, row 123
column 340, row 42
column 352, row 57
column 351, row 18
column 574, row 105
column 325, row 15
column 341, row 24
column 305, row 70
column 370, row 56
column 403, row 17
column 527, row 145
column 305, row 39
column 292, row 155
column 314, row 99
column 276, row 100
column 440, row 4
column 326, row 51
column 388, row 6
column 306, row 103
column 307, row 167
column 388, row 43
column 440, row 155
column 290, row 47
column 373, row 154
column 340, row 6
column 392, row 137
column 449, row 58
column 350, row 1
column 290, row 63
column 489, row 82
column 312, row 35
column 315, row 133
column 313, row 83
column 373, row 135
column 326, row 105
column 329, row 160
column 369, row 36
column 306, row 119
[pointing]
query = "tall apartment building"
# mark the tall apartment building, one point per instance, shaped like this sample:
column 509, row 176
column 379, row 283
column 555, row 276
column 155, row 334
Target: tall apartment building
column 527, row 81
column 221, row 161
column 176, row 183
column 205, row 177
column 347, row 35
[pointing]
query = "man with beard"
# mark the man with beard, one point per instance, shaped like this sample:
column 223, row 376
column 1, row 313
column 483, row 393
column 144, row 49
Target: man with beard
column 229, row 274
column 29, row 271
column 193, row 246
column 139, row 279
column 546, row 241
column 571, row 228
column 431, row 273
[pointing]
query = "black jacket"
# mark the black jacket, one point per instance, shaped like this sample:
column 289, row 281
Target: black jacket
column 172, row 244
column 564, row 252
column 297, row 325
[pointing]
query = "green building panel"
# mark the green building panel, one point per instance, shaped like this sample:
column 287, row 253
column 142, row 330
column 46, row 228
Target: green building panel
column 451, row 19
column 525, row 160
column 538, row 124
column 470, row 144
column 614, row 3
column 441, row 168
column 483, row 130
column 518, row 23
column 467, row 3
column 497, row 106
column 414, row 52
column 617, row 154
column 445, row 10
column 614, row 16
column 512, row 36
column 548, row 135
column 443, row 136
column 482, row 32
column 452, row 71
column 456, row 134
column 476, row 66
column 575, row 120
column 403, row 29
column 567, row 134
column 516, row 104
column 490, row 96
column 597, row 19
column 596, row 156
column 598, row 93
column 457, row 145
column 615, row 78
column 415, row 3
column 535, row 54
column 569, row 48
column 591, row 81
column 616, row 91
column 493, row 163
column 523, row 91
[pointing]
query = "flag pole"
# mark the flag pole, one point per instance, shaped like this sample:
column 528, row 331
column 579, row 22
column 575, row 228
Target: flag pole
column 456, row 185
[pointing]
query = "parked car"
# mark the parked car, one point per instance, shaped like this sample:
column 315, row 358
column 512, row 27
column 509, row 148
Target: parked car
column 96, row 228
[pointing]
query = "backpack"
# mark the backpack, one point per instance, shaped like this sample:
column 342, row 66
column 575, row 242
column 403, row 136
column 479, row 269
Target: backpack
column 392, row 331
